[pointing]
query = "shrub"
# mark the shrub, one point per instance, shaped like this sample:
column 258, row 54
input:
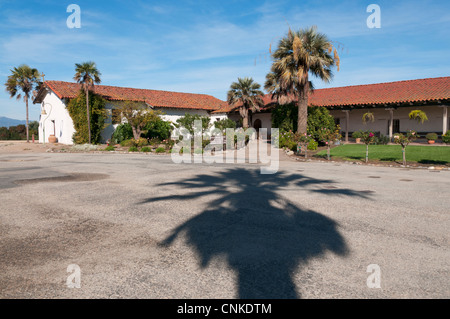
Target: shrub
column 77, row 111
column 123, row 132
column 138, row 143
column 287, row 140
column 223, row 124
column 109, row 148
column 431, row 136
column 127, row 143
column 133, row 149
column 141, row 142
column 146, row 149
column 446, row 137
column 157, row 128
column 319, row 117
column 356, row 134
column 312, row 146
column 154, row 141
column 382, row 140
column 160, row 150
column 285, row 118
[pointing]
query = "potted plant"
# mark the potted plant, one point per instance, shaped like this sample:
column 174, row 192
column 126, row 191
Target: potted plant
column 431, row 137
column 357, row 136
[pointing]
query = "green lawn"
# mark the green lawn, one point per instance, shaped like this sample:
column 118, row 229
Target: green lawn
column 414, row 153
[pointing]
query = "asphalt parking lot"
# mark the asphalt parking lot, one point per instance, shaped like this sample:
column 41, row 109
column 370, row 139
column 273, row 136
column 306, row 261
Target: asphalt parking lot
column 141, row 226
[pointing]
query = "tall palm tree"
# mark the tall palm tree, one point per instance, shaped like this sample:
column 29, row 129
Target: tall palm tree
column 299, row 54
column 26, row 80
column 87, row 74
column 248, row 93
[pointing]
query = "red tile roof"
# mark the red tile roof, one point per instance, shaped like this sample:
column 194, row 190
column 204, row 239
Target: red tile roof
column 422, row 90
column 155, row 98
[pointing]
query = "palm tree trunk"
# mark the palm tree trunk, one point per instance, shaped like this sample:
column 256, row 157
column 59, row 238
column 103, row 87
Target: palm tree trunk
column 26, row 128
column 245, row 119
column 302, row 123
column 88, row 115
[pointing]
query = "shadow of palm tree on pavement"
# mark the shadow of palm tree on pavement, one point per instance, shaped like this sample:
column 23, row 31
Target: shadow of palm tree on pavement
column 262, row 235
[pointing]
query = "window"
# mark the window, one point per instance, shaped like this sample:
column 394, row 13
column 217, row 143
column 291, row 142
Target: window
column 337, row 121
column 396, row 126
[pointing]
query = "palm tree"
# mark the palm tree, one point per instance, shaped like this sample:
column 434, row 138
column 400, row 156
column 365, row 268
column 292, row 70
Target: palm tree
column 25, row 79
column 87, row 74
column 248, row 93
column 298, row 54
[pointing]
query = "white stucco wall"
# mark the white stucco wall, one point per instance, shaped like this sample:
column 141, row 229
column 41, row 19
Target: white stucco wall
column 266, row 120
column 169, row 114
column 63, row 124
column 173, row 114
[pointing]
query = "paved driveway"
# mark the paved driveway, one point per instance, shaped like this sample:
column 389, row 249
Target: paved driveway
column 140, row 226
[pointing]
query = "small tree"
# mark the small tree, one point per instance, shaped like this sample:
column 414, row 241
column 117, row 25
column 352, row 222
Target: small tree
column 328, row 137
column 223, row 124
column 404, row 141
column 368, row 138
column 188, row 121
column 137, row 114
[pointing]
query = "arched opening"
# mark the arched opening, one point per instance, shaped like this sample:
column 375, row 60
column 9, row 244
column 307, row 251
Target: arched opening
column 257, row 125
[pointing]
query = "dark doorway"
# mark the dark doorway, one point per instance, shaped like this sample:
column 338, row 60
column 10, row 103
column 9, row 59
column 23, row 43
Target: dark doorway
column 257, row 125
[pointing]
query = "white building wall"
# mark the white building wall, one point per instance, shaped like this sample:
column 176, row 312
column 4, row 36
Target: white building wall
column 63, row 125
column 382, row 117
column 173, row 114
column 266, row 120
column 168, row 114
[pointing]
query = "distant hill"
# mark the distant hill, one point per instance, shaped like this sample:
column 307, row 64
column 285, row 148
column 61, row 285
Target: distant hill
column 7, row 122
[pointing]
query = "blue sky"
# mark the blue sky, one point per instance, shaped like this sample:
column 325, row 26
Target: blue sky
column 203, row 46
